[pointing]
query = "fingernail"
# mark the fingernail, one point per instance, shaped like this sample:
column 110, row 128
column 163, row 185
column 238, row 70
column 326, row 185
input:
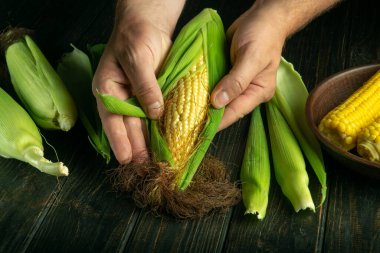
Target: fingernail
column 221, row 99
column 154, row 110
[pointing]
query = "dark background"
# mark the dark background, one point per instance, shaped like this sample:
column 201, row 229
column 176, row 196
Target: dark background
column 81, row 213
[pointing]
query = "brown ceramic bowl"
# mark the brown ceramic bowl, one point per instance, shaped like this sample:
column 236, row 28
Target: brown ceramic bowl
column 326, row 96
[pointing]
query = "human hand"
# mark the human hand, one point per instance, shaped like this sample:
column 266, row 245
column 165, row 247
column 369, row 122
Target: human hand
column 256, row 43
column 138, row 44
column 257, row 38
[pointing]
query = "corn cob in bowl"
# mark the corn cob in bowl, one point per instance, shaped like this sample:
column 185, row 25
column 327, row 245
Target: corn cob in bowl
column 329, row 95
column 343, row 124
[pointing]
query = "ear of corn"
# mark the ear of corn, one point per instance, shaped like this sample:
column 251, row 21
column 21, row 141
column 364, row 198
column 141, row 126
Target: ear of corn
column 368, row 145
column 196, row 61
column 39, row 87
column 291, row 95
column 343, row 124
column 289, row 164
column 76, row 71
column 20, row 138
column 255, row 170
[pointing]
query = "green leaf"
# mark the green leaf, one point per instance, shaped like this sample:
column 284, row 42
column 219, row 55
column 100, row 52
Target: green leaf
column 291, row 95
column 129, row 107
column 75, row 69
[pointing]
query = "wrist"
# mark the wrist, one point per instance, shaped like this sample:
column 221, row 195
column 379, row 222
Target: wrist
column 163, row 14
column 291, row 15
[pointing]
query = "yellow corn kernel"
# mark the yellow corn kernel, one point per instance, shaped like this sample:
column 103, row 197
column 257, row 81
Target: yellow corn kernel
column 368, row 144
column 185, row 112
column 343, row 123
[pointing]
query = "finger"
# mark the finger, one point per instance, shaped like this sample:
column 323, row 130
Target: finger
column 116, row 132
column 109, row 79
column 139, row 67
column 253, row 96
column 135, row 129
column 245, row 69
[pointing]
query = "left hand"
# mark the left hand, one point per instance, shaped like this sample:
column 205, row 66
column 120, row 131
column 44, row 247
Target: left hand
column 256, row 46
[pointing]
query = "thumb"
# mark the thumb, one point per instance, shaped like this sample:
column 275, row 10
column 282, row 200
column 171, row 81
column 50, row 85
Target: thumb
column 245, row 69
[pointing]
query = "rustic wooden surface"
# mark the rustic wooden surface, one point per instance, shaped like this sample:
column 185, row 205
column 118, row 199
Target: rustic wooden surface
column 81, row 213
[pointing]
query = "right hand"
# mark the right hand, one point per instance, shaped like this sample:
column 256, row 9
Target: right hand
column 128, row 68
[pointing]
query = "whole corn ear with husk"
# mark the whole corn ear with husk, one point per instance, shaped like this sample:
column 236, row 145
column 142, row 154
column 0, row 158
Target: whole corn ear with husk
column 255, row 169
column 180, row 139
column 38, row 86
column 291, row 95
column 20, row 138
column 343, row 124
column 288, row 160
column 75, row 69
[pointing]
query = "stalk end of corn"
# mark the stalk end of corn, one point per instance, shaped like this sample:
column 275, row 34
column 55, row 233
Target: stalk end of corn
column 303, row 202
column 34, row 156
column 369, row 150
column 255, row 201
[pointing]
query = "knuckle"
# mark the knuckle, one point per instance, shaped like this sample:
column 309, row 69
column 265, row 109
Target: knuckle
column 238, row 84
column 144, row 89
column 269, row 92
column 237, row 113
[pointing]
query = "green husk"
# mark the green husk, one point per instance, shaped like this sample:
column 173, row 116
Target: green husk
column 201, row 184
column 20, row 138
column 288, row 160
column 76, row 71
column 291, row 95
column 38, row 86
column 255, row 169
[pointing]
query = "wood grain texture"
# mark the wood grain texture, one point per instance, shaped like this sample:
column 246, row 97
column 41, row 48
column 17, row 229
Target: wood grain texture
column 82, row 213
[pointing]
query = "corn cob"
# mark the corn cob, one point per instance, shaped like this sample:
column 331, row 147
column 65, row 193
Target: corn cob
column 179, row 140
column 20, row 138
column 289, row 164
column 38, row 86
column 368, row 145
column 255, row 169
column 194, row 65
column 343, row 124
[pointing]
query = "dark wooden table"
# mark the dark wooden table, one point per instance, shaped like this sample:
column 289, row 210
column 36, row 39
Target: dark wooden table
column 81, row 213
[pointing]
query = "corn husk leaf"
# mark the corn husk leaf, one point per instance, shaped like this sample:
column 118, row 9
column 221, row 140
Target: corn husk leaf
column 96, row 52
column 204, row 33
column 291, row 95
column 76, row 71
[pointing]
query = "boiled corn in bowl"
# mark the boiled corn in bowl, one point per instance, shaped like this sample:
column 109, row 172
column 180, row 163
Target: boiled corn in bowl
column 329, row 118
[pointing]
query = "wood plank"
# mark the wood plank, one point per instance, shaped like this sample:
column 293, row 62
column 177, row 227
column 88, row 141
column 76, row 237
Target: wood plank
column 26, row 195
column 353, row 223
